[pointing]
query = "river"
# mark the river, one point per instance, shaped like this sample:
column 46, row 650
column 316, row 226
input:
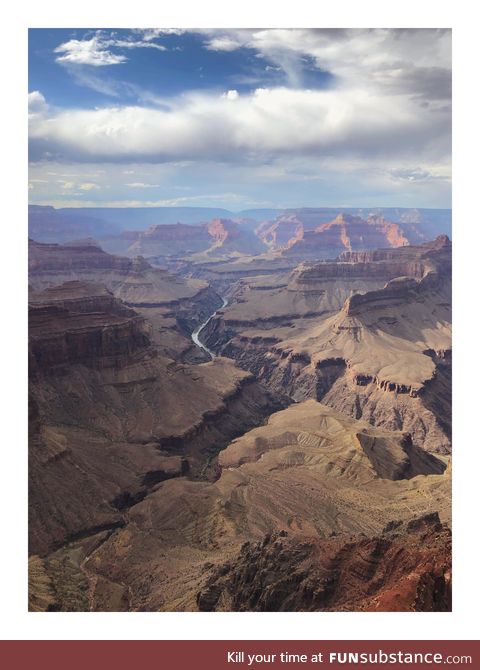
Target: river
column 197, row 331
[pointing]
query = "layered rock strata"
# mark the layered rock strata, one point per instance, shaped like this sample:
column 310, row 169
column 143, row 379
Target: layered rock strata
column 374, row 353
column 326, row 485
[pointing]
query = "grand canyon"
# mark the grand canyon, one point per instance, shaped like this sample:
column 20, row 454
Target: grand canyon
column 260, row 422
column 240, row 324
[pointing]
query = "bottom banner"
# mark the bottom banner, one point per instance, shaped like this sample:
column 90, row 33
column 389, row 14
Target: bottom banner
column 223, row 655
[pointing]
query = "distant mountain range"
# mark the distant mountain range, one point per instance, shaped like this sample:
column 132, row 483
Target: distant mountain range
column 139, row 230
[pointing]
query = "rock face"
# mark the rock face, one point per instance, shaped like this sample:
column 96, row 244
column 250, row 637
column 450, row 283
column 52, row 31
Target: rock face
column 407, row 568
column 52, row 258
column 305, row 477
column 133, row 280
column 347, row 232
column 220, row 237
column 355, row 335
column 169, row 240
column 48, row 224
column 111, row 415
column 82, row 323
column 415, row 225
column 229, row 237
column 174, row 306
column 281, row 233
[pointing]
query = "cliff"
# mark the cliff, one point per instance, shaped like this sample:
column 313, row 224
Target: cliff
column 347, row 232
column 232, row 237
column 85, row 324
column 281, row 233
column 170, row 240
column 408, row 569
column 132, row 280
column 354, row 334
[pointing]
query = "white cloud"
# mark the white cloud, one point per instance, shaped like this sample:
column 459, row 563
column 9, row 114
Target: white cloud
column 222, row 44
column 149, row 34
column 87, row 52
column 266, row 123
column 97, row 51
column 230, row 95
column 66, row 185
column 292, row 181
column 381, row 127
column 88, row 186
column 36, row 104
column 140, row 184
column 398, row 60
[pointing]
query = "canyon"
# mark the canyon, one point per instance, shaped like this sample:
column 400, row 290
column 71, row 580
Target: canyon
column 240, row 414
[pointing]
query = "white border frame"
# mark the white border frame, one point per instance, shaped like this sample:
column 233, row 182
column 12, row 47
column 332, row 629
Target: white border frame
column 16, row 622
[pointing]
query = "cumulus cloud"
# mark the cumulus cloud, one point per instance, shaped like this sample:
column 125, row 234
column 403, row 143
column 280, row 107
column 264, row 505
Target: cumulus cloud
column 36, row 103
column 266, row 123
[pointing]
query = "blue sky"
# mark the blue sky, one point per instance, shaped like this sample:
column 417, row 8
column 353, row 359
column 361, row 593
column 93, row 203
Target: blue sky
column 240, row 118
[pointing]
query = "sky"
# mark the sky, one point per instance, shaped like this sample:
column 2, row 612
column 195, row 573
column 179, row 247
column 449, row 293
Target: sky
column 240, row 118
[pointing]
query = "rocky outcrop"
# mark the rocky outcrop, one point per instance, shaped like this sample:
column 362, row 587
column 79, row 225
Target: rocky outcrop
column 407, row 568
column 346, row 232
column 82, row 322
column 281, row 233
column 230, row 237
column 170, row 240
column 58, row 336
column 395, row 292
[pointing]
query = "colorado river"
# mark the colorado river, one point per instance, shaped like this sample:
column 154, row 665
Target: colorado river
column 198, row 330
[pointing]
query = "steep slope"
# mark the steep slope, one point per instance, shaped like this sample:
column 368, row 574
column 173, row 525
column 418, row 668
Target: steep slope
column 133, row 280
column 417, row 225
column 407, row 568
column 281, row 233
column 230, row 237
column 309, row 476
column 338, row 332
column 347, row 232
column 174, row 305
column 111, row 415
column 219, row 237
